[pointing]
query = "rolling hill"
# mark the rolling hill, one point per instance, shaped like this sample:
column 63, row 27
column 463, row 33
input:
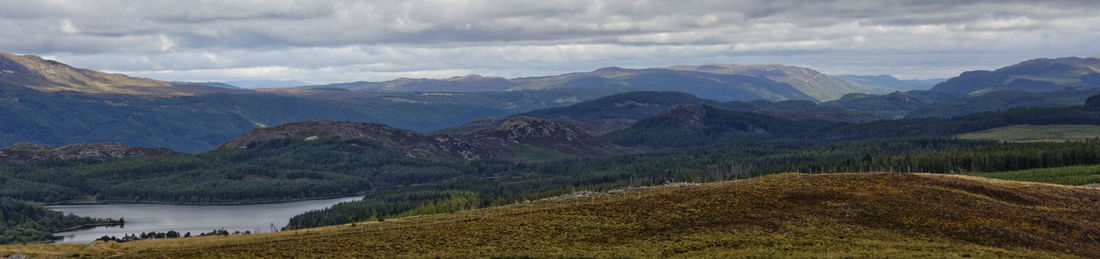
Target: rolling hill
column 51, row 76
column 700, row 125
column 1036, row 75
column 787, row 215
column 718, row 82
column 513, row 140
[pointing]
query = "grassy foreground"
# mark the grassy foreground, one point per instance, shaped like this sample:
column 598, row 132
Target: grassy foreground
column 1036, row 133
column 787, row 215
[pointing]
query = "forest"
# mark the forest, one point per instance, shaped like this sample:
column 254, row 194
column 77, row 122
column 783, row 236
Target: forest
column 22, row 222
column 291, row 169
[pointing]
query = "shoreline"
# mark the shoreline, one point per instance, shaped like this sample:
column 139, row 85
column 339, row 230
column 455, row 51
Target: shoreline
column 108, row 202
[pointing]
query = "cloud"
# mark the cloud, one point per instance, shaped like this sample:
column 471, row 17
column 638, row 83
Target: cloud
column 330, row 41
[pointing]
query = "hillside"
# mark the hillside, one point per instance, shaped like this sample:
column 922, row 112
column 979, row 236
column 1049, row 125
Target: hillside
column 816, row 84
column 699, row 125
column 1036, row 75
column 51, row 76
column 788, row 215
column 512, row 140
column 718, row 82
column 29, row 152
column 890, row 82
column 918, row 104
column 1036, row 133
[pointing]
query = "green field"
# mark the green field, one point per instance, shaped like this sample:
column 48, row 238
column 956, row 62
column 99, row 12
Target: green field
column 1070, row 175
column 1036, row 133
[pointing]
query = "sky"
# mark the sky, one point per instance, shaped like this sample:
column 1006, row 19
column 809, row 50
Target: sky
column 320, row 41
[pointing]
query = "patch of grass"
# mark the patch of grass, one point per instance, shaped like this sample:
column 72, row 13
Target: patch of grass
column 1070, row 175
column 882, row 215
column 1036, row 133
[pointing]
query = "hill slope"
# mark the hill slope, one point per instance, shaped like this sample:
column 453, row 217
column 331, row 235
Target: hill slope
column 47, row 75
column 789, row 215
column 1037, row 75
column 511, row 140
column 719, row 82
column 700, row 125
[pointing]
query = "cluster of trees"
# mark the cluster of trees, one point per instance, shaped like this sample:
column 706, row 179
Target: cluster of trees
column 169, row 234
column 22, row 222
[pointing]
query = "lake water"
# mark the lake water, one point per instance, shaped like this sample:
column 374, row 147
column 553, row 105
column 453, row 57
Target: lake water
column 144, row 218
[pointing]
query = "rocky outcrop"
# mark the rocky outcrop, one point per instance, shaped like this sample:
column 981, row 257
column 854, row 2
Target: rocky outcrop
column 29, row 152
column 689, row 117
column 501, row 143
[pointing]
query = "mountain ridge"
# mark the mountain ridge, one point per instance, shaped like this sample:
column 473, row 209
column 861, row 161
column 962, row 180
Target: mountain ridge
column 20, row 153
column 1035, row 75
column 52, row 76
column 499, row 143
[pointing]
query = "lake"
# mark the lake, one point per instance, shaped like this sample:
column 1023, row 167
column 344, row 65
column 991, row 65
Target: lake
column 144, row 218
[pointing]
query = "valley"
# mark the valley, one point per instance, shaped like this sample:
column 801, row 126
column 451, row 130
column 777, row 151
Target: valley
column 436, row 151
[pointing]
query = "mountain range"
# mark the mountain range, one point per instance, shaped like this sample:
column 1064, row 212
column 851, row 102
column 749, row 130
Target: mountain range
column 719, row 82
column 47, row 102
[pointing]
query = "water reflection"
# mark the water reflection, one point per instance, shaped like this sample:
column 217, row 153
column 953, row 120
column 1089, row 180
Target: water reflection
column 144, row 218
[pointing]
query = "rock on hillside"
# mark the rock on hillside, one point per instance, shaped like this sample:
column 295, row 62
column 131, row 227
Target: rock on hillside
column 505, row 142
column 29, row 152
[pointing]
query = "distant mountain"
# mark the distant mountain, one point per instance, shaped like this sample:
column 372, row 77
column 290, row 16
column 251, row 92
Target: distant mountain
column 261, row 83
column 811, row 82
column 894, row 105
column 51, row 76
column 469, row 83
column 620, row 111
column 1037, row 75
column 516, row 139
column 719, row 82
column 916, row 104
column 890, row 82
column 29, row 152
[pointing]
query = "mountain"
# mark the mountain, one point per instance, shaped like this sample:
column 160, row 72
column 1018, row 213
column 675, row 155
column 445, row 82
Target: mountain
column 1036, row 75
column 614, row 112
column 468, row 83
column 917, row 104
column 719, row 82
column 890, row 82
column 820, row 86
column 263, row 83
column 886, row 215
column 28, row 152
column 701, row 125
column 894, row 105
column 1093, row 102
column 515, row 139
column 51, row 76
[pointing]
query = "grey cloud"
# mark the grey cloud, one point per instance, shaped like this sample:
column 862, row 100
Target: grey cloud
column 325, row 41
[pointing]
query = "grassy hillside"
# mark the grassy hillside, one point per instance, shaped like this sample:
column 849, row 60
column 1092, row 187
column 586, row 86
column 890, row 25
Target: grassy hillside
column 1068, row 175
column 1036, row 133
column 788, row 215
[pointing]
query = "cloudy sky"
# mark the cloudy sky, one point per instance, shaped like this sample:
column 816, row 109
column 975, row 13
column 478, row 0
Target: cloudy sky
column 337, row 41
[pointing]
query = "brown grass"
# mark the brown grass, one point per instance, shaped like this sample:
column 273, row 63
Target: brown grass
column 789, row 215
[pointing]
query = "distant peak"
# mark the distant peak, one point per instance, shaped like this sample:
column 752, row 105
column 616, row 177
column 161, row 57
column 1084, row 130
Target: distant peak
column 466, row 77
column 610, row 69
